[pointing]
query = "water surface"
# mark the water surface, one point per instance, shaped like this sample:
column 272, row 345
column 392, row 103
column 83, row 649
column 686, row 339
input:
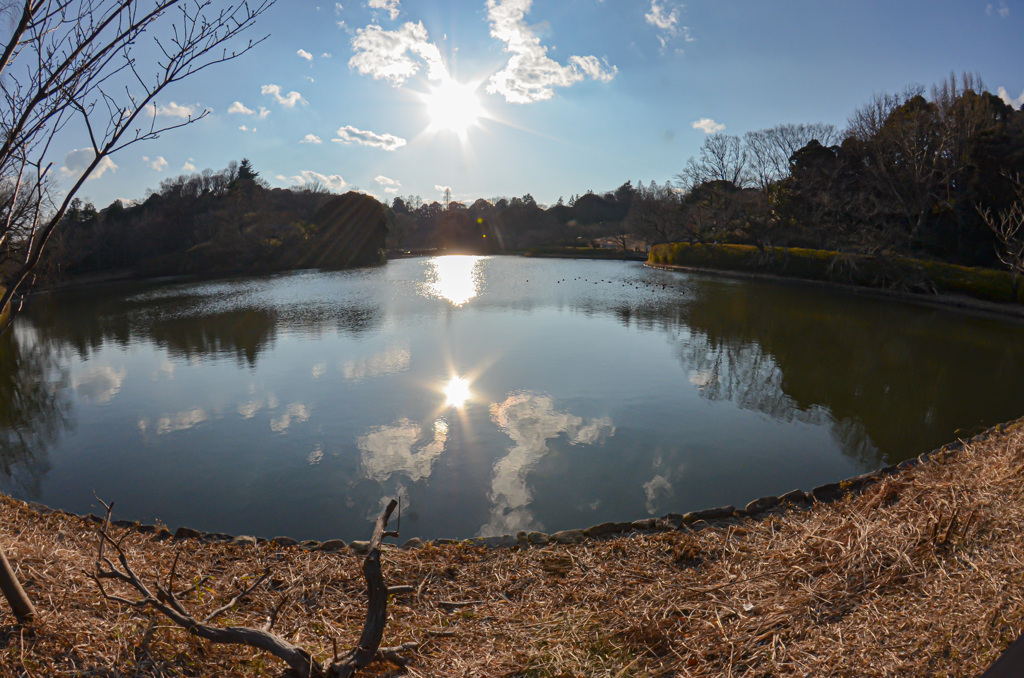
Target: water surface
column 493, row 394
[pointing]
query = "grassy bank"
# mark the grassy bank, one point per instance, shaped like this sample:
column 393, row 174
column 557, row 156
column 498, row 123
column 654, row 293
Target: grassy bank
column 918, row 575
column 893, row 273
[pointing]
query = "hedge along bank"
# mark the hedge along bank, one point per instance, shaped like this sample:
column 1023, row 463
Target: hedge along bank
column 897, row 273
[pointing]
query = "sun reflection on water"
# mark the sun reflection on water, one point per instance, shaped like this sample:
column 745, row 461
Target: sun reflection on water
column 454, row 277
column 456, row 392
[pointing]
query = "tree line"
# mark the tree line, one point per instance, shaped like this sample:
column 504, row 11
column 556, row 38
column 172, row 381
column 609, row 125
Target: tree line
column 936, row 176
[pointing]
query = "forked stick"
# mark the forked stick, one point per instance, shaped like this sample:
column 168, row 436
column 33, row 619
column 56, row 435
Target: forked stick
column 301, row 663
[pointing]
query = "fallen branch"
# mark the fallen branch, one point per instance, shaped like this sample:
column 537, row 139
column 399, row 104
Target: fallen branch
column 167, row 602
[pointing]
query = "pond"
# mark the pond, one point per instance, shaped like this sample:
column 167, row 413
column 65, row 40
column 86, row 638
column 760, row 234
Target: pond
column 493, row 394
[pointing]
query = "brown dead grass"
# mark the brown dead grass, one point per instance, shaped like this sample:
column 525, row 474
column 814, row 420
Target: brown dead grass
column 920, row 575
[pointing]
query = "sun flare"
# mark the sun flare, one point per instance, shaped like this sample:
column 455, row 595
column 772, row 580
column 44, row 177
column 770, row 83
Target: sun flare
column 456, row 392
column 453, row 106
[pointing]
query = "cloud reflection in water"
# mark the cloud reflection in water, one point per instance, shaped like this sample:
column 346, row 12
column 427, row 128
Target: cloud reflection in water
column 182, row 421
column 387, row 450
column 530, row 420
column 394, row 359
column 98, row 384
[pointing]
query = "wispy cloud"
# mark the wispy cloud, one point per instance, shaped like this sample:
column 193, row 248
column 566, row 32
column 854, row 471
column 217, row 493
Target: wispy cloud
column 303, row 54
column 326, row 55
column 311, row 139
column 388, row 55
column 530, row 75
column 189, row 166
column 708, row 126
column 1002, row 10
column 288, row 101
column 246, row 128
column 665, row 17
column 1005, row 96
column 76, row 162
column 158, row 163
column 352, row 135
column 390, row 6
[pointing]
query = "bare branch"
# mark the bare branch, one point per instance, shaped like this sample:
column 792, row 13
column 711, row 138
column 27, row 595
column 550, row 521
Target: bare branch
column 299, row 660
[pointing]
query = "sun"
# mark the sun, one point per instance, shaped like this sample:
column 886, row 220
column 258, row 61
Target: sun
column 453, row 106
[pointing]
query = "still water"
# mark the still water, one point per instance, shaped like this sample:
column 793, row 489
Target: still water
column 493, row 394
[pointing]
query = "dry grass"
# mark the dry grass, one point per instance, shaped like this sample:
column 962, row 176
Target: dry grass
column 920, row 575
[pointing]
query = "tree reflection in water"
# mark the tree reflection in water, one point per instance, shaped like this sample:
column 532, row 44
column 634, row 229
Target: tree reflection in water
column 33, row 410
column 881, row 392
column 191, row 322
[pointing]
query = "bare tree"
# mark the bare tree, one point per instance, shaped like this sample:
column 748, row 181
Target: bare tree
column 722, row 157
column 769, row 150
column 1008, row 227
column 73, row 65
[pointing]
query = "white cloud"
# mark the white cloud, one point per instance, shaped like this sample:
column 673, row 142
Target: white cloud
column 349, row 135
column 441, row 189
column 665, row 18
column 246, row 128
column 708, row 126
column 386, row 54
column 338, row 9
column 288, row 101
column 310, row 139
column 1003, row 11
column 1004, row 95
column 305, row 55
column 333, row 182
column 530, row 75
column 158, row 163
column 391, row 6
column 78, row 160
column 659, row 18
column 173, row 110
column 188, row 166
column 326, row 55
column 389, row 185
column 242, row 109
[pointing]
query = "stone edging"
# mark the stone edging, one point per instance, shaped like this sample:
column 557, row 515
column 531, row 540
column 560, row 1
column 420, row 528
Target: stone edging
column 692, row 521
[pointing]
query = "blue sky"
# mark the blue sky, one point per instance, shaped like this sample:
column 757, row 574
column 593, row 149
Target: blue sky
column 571, row 95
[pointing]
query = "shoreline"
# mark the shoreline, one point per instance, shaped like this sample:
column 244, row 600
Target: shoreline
column 792, row 499
column 916, row 573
